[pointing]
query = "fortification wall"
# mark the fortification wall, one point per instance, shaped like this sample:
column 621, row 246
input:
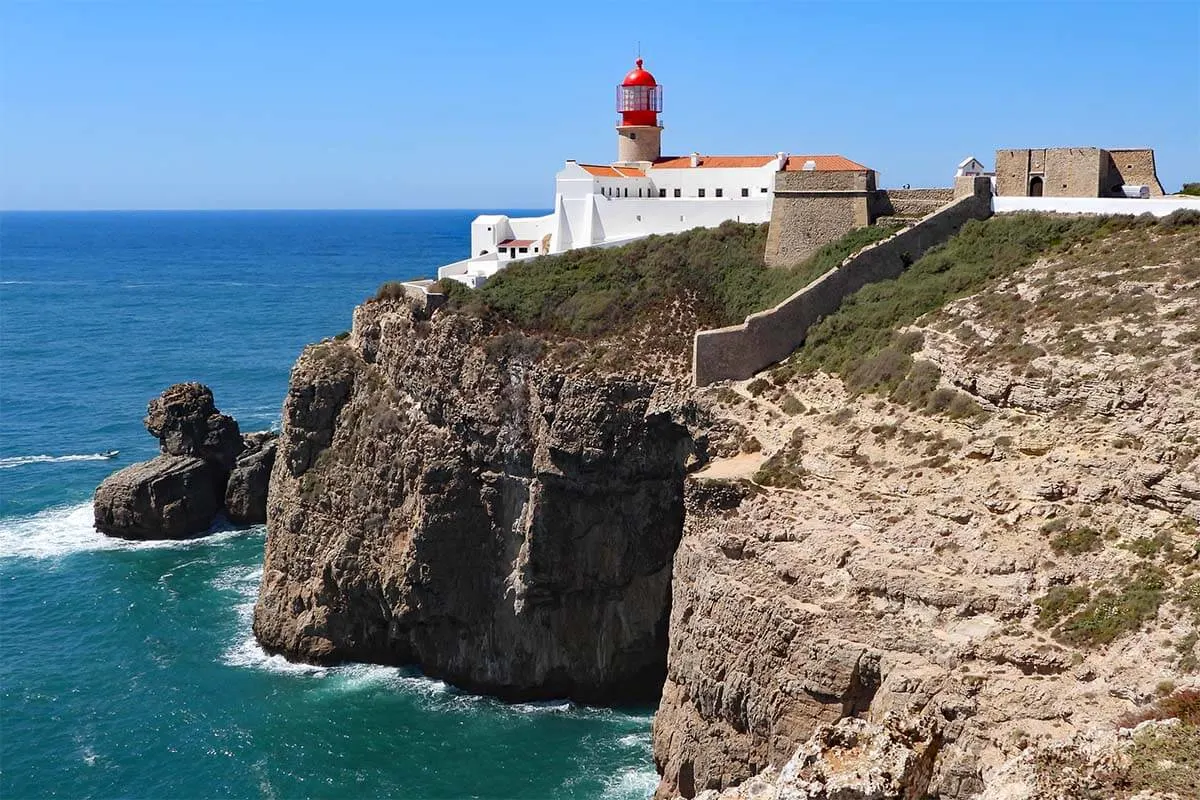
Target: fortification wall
column 1134, row 167
column 909, row 202
column 1012, row 173
column 812, row 208
column 1074, row 172
column 739, row 351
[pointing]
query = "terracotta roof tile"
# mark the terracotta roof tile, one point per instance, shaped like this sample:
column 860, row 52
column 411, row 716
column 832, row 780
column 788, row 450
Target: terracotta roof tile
column 516, row 243
column 713, row 162
column 823, row 164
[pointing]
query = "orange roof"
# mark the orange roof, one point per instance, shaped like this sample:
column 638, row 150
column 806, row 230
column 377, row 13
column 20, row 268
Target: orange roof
column 613, row 172
column 823, row 164
column 681, row 162
column 515, row 243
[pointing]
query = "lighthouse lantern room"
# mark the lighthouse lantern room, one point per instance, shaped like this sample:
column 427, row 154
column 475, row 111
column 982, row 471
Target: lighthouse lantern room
column 639, row 132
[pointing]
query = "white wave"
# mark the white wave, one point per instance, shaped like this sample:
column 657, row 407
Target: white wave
column 21, row 461
column 248, row 653
column 629, row 783
column 543, row 707
column 65, row 530
column 640, row 740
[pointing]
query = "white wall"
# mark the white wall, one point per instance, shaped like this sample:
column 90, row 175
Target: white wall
column 732, row 180
column 667, row 215
column 1158, row 206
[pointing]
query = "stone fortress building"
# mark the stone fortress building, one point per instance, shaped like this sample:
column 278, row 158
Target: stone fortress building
column 644, row 192
column 1076, row 172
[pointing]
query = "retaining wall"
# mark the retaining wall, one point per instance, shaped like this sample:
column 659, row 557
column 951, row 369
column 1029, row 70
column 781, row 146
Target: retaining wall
column 739, row 351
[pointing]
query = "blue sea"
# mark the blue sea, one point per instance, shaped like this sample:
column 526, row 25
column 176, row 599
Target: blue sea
column 129, row 670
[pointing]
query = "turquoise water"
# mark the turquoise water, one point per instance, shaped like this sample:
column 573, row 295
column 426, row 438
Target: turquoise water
column 129, row 669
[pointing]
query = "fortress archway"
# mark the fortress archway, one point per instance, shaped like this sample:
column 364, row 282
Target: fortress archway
column 1035, row 186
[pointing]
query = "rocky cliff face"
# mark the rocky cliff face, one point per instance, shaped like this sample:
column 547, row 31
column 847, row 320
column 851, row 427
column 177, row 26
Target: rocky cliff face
column 442, row 497
column 1003, row 582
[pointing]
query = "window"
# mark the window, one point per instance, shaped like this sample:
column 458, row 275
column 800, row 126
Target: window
column 632, row 135
column 678, row 192
column 701, row 193
column 720, row 192
column 745, row 192
column 639, row 192
column 627, row 191
column 535, row 249
column 522, row 249
column 763, row 190
column 662, row 192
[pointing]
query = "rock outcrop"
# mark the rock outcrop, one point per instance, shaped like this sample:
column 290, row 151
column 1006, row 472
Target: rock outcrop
column 246, row 489
column 851, row 760
column 167, row 497
column 442, row 497
column 205, row 467
column 1011, row 579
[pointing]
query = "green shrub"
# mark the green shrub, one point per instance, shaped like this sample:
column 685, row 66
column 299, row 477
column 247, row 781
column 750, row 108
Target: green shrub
column 1110, row 614
column 1180, row 218
column 1058, row 602
column 391, row 290
column 1077, row 541
column 791, row 405
column 757, row 386
column 1191, row 189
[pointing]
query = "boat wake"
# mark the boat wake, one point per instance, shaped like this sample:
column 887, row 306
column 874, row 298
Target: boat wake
column 65, row 530
column 13, row 462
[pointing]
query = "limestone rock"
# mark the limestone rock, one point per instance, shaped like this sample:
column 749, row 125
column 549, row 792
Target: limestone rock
column 441, row 498
column 246, row 491
column 851, row 760
column 186, row 422
column 167, row 497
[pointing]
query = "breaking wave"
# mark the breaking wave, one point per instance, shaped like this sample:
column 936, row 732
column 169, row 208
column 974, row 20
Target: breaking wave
column 21, row 461
column 65, row 530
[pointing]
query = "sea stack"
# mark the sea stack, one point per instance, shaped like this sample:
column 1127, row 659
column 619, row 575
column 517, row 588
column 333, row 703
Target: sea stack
column 203, row 461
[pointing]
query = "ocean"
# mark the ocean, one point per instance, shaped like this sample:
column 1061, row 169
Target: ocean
column 129, row 669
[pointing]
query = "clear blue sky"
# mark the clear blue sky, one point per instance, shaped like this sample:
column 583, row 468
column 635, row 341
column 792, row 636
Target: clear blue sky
column 445, row 104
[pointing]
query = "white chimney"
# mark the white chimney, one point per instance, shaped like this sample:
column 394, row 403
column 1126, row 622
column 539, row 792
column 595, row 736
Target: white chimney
column 695, row 159
column 783, row 157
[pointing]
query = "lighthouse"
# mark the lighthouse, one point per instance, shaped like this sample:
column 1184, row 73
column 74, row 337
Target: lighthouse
column 639, row 101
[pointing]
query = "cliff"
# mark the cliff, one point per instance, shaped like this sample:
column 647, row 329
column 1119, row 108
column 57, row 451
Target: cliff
column 982, row 526
column 444, row 496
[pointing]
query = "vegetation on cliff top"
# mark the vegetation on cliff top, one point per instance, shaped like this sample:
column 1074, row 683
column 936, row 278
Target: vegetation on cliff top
column 862, row 342
column 595, row 292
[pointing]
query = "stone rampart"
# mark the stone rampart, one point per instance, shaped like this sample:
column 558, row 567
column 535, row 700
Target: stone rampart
column 739, row 351
column 812, row 208
column 910, row 202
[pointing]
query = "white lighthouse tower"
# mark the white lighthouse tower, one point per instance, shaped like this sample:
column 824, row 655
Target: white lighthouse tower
column 639, row 102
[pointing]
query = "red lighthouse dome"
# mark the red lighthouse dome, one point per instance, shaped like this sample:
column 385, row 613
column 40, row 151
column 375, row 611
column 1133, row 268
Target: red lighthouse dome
column 639, row 98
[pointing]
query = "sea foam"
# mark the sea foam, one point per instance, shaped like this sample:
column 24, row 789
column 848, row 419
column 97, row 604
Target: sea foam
column 65, row 530
column 11, row 462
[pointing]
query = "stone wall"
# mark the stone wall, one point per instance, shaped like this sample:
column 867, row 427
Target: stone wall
column 1012, row 173
column 910, row 202
column 1134, row 167
column 739, row 351
column 1075, row 171
column 812, row 208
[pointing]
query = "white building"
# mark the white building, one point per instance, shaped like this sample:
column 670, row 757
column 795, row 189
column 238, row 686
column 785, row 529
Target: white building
column 642, row 193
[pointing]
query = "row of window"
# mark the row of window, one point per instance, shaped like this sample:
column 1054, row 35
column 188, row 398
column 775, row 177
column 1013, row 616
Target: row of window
column 610, row 191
